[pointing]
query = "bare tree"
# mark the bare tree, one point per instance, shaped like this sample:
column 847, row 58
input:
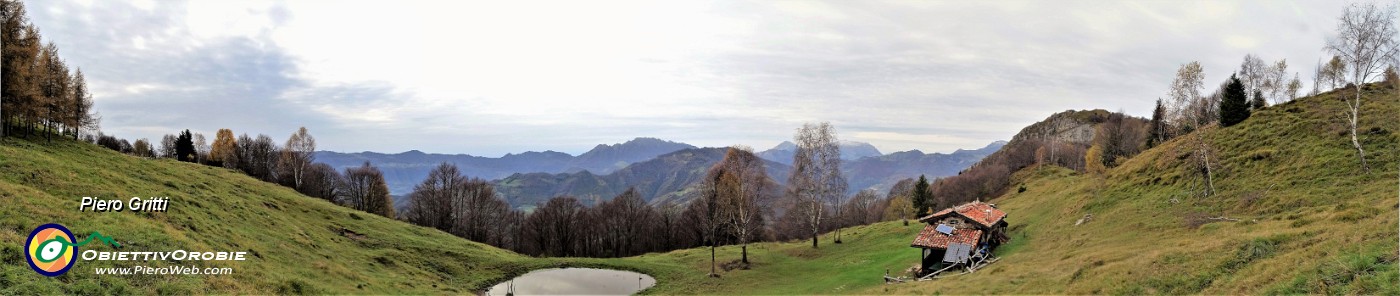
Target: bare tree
column 322, row 181
column 1333, row 72
column 1293, row 87
column 705, row 212
column 1120, row 136
column 365, row 190
column 430, row 204
column 167, row 146
column 476, row 207
column 671, row 224
column 142, row 148
column 201, row 148
column 899, row 201
column 1318, row 72
column 816, row 182
column 257, row 157
column 465, row 207
column 297, row 155
column 744, row 198
column 860, row 209
column 1185, row 96
column 1189, row 114
column 553, row 227
column 628, row 225
column 1366, row 42
column 1276, row 82
column 1254, row 73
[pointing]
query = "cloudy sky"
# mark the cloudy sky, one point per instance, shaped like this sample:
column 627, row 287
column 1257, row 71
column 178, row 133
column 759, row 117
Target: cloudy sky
column 491, row 77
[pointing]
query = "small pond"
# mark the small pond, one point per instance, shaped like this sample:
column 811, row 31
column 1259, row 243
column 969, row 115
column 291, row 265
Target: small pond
column 575, row 281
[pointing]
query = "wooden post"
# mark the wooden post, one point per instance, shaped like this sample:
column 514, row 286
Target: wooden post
column 923, row 261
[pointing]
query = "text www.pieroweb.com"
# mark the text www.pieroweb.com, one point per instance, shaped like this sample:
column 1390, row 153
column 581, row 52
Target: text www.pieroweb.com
column 155, row 270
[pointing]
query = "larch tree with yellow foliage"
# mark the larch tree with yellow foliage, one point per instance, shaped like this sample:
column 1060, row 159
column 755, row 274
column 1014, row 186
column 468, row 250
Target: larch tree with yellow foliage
column 224, row 151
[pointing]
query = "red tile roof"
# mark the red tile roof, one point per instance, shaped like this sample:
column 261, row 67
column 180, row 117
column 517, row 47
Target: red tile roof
column 980, row 212
column 931, row 238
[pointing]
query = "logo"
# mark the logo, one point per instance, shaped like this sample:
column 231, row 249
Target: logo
column 50, row 249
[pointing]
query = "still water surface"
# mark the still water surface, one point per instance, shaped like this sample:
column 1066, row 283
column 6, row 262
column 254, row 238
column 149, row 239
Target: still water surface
column 575, row 281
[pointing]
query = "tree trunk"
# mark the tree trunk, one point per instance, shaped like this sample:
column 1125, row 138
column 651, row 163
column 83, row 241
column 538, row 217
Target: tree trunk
column 1355, row 107
column 814, row 239
column 838, row 236
column 745, row 251
column 1210, row 180
column 1205, row 162
column 712, row 260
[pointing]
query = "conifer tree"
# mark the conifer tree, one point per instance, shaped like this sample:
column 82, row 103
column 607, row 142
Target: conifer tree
column 1234, row 107
column 923, row 197
column 184, row 147
column 1157, row 132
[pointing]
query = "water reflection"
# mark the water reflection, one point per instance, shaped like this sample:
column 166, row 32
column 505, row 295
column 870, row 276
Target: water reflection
column 575, row 281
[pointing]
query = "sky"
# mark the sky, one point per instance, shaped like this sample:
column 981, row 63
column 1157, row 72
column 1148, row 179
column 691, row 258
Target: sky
column 494, row 77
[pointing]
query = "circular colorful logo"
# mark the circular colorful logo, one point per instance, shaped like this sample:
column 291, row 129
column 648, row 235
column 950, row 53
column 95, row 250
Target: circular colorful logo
column 50, row 249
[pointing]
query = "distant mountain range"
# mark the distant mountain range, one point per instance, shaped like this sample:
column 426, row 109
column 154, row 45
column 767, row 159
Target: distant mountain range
column 666, row 177
column 670, row 177
column 404, row 170
column 881, row 172
column 660, row 170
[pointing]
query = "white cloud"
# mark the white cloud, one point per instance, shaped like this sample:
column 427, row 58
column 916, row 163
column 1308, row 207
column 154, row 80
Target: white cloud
column 493, row 77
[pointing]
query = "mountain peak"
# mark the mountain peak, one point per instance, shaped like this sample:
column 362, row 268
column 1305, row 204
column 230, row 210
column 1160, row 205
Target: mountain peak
column 603, row 159
column 637, row 142
column 850, row 150
column 785, row 146
column 646, row 139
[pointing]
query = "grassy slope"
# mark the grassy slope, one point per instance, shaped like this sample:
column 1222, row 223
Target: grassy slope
column 1311, row 223
column 295, row 242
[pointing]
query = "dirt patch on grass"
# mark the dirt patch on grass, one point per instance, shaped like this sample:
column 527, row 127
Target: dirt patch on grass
column 732, row 265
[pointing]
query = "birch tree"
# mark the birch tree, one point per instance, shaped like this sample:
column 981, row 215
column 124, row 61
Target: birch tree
column 1254, row 73
column 705, row 211
column 297, row 155
column 1366, row 42
column 1294, row 86
column 816, row 181
column 1278, row 83
column 201, row 148
column 1333, row 72
column 167, row 146
column 1189, row 113
column 743, row 202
